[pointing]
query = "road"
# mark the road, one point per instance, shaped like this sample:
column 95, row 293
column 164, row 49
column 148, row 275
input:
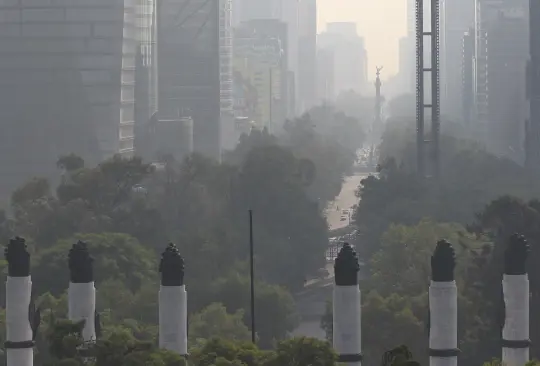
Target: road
column 346, row 199
column 312, row 302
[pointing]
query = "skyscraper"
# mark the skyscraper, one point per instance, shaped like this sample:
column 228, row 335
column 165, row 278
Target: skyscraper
column 457, row 16
column 195, row 67
column 307, row 54
column 406, row 64
column 350, row 57
column 501, row 55
column 68, row 74
column 532, row 145
column 287, row 12
column 325, row 75
column 467, row 78
column 259, row 61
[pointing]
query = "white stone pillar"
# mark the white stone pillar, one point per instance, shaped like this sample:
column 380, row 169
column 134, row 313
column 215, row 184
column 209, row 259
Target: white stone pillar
column 173, row 318
column 515, row 334
column 347, row 308
column 172, row 302
column 81, row 290
column 443, row 350
column 20, row 343
column 82, row 306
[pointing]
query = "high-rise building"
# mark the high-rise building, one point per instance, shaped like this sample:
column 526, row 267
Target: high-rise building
column 259, row 61
column 411, row 18
column 508, row 53
column 532, row 144
column 407, row 73
column 68, row 71
column 457, row 16
column 289, row 16
column 325, row 75
column 267, row 39
column 467, row 78
column 350, row 56
column 287, row 12
column 307, row 54
column 260, row 9
column 195, row 68
column 501, row 55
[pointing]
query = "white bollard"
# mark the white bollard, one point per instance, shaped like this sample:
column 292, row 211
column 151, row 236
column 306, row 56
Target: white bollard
column 515, row 334
column 443, row 350
column 172, row 302
column 347, row 333
column 20, row 342
column 81, row 291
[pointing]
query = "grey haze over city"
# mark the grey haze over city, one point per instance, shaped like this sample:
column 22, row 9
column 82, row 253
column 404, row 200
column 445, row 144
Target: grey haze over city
column 270, row 182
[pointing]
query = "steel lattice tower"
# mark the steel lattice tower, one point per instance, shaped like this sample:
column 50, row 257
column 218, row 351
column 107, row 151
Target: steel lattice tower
column 430, row 147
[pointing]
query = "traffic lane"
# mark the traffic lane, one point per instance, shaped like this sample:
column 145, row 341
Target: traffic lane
column 344, row 201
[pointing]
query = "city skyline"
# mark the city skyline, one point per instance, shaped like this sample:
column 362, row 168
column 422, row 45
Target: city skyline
column 381, row 23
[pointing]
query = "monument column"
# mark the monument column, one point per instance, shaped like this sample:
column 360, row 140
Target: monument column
column 172, row 302
column 347, row 308
column 515, row 284
column 20, row 333
column 81, row 291
column 443, row 349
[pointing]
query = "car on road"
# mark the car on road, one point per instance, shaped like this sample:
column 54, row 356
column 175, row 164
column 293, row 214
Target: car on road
column 344, row 212
column 343, row 218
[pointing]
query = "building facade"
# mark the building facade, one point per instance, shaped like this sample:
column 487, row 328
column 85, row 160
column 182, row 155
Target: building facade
column 325, row 75
column 307, row 55
column 467, row 78
column 508, row 54
column 501, row 55
column 67, row 78
column 407, row 74
column 457, row 16
column 532, row 145
column 195, row 67
column 261, row 66
column 350, row 57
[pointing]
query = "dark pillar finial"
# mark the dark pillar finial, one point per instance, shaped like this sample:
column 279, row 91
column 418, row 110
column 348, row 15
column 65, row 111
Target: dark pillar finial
column 81, row 269
column 443, row 262
column 515, row 256
column 346, row 267
column 18, row 258
column 171, row 267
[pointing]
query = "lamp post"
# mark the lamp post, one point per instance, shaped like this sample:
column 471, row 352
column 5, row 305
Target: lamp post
column 252, row 279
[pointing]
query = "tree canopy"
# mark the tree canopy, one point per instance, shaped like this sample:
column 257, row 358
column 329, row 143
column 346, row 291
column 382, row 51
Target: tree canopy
column 127, row 211
column 478, row 202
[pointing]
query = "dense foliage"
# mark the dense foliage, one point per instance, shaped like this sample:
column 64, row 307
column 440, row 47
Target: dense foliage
column 477, row 204
column 128, row 210
column 64, row 346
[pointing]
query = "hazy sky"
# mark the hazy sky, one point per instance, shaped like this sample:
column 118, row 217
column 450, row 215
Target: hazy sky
column 380, row 22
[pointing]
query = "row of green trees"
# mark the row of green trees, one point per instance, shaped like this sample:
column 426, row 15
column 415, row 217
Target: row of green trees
column 479, row 201
column 128, row 210
column 60, row 343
